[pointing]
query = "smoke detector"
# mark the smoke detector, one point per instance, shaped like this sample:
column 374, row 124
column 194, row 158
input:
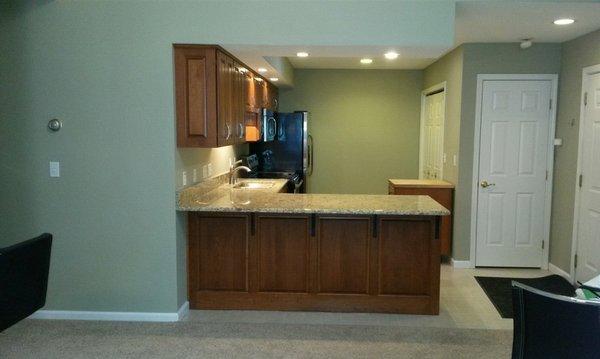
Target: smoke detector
column 526, row 43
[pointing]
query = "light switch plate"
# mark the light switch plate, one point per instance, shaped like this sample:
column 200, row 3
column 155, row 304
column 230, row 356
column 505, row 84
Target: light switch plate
column 54, row 169
column 454, row 160
column 444, row 158
column 184, row 178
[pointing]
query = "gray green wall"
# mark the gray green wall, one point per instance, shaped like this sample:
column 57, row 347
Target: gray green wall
column 449, row 69
column 365, row 126
column 506, row 58
column 576, row 54
column 488, row 59
column 106, row 70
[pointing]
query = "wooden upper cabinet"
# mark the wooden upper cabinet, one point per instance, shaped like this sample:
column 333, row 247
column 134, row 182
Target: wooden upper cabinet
column 239, row 103
column 250, row 91
column 195, row 96
column 273, row 102
column 226, row 79
column 213, row 92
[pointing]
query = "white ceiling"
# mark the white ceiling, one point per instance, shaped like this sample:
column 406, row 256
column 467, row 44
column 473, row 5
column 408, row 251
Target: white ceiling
column 501, row 22
column 476, row 21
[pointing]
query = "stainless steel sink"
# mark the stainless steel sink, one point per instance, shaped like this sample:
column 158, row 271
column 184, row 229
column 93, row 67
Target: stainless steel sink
column 254, row 185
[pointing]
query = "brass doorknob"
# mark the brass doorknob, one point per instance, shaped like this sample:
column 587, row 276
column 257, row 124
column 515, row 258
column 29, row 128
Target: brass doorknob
column 485, row 184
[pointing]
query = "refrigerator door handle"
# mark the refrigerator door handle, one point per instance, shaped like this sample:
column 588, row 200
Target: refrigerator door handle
column 310, row 155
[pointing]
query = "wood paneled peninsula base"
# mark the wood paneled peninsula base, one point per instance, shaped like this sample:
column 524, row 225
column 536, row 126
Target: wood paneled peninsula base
column 342, row 253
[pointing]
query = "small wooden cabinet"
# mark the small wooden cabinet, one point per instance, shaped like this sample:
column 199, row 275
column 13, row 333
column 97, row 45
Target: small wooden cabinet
column 441, row 191
column 213, row 93
column 351, row 263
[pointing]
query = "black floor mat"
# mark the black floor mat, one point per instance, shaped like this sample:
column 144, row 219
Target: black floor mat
column 498, row 289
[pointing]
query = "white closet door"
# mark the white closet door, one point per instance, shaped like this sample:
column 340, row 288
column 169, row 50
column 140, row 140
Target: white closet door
column 433, row 136
column 515, row 124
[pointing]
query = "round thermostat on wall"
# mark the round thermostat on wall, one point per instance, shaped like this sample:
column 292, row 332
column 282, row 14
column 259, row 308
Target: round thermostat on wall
column 54, row 124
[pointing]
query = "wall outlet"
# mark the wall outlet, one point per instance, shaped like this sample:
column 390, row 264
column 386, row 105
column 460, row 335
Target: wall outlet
column 54, row 169
column 204, row 171
column 195, row 175
column 444, row 158
column 454, row 160
column 210, row 169
column 183, row 178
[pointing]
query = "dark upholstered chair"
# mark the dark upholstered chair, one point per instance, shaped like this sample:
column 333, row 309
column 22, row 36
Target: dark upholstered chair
column 23, row 279
column 554, row 326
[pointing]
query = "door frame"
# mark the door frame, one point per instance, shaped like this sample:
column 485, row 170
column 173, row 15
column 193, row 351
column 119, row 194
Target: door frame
column 553, row 78
column 440, row 87
column 586, row 73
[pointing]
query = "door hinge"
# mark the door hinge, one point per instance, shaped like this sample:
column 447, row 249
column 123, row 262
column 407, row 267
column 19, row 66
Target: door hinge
column 585, row 99
column 580, row 180
column 551, row 104
column 546, row 175
column 543, row 244
column 575, row 264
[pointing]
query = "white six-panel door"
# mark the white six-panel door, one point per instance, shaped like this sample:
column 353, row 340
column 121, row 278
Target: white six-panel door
column 588, row 227
column 433, row 136
column 511, row 198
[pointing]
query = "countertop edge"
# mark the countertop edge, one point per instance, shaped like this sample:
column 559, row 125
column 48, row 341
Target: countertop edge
column 423, row 185
column 314, row 211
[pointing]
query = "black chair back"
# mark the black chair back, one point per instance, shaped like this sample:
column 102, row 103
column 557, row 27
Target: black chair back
column 554, row 326
column 23, row 279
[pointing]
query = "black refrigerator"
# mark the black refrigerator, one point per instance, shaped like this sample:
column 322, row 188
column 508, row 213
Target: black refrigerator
column 287, row 152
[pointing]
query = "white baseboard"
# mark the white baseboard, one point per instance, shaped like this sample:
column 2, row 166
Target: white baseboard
column 461, row 264
column 114, row 316
column 183, row 311
column 555, row 270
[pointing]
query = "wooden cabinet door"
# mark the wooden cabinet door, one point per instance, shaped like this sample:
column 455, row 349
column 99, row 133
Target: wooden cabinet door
column 283, row 253
column 258, row 92
column 239, row 105
column 195, row 93
column 344, row 251
column 217, row 254
column 445, row 197
column 250, row 91
column 272, row 97
column 265, row 95
column 225, row 99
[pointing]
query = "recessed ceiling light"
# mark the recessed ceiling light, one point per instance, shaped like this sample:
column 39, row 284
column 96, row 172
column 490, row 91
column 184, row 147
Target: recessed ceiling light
column 366, row 61
column 564, row 21
column 274, row 79
column 302, row 54
column 262, row 70
column 391, row 55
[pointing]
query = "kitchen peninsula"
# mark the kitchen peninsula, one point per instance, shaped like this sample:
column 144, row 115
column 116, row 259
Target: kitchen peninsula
column 319, row 252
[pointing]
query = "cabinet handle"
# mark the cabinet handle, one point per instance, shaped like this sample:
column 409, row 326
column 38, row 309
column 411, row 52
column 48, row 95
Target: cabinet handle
column 375, row 229
column 227, row 131
column 241, row 130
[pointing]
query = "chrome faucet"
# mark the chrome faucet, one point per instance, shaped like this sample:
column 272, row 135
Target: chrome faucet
column 233, row 170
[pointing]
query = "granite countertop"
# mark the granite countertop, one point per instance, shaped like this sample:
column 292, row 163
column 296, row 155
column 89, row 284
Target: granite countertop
column 223, row 199
column 420, row 183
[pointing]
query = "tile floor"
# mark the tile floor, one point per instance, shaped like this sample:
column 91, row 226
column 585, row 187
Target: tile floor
column 463, row 304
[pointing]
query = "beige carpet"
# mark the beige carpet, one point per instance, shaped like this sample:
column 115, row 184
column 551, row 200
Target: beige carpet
column 88, row 339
